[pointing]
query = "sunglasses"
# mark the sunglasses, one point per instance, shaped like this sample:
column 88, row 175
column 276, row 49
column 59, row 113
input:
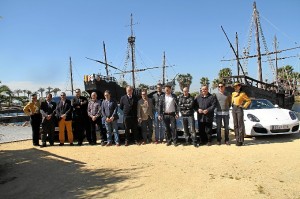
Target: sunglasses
column 221, row 86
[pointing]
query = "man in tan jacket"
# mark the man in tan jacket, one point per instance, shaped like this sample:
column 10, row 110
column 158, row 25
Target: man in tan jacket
column 145, row 117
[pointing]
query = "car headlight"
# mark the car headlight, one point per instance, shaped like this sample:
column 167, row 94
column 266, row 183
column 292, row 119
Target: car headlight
column 253, row 118
column 293, row 115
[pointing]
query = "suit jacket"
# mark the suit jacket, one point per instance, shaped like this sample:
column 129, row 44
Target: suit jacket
column 209, row 103
column 80, row 110
column 64, row 109
column 48, row 109
column 129, row 106
column 145, row 111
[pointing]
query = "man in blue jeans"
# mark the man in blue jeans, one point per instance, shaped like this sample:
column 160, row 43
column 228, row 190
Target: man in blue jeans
column 223, row 104
column 109, row 109
column 159, row 124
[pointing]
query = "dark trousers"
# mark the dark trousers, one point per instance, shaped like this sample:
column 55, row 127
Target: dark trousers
column 35, row 122
column 170, row 123
column 131, row 124
column 78, row 129
column 205, row 130
column 92, row 138
column 225, row 119
column 238, row 122
column 48, row 129
column 147, row 129
column 188, row 123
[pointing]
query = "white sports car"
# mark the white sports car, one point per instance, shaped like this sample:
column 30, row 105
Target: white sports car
column 263, row 118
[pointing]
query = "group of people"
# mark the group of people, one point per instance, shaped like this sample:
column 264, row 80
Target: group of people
column 161, row 112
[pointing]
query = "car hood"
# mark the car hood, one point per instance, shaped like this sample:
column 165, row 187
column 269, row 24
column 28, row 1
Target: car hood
column 270, row 114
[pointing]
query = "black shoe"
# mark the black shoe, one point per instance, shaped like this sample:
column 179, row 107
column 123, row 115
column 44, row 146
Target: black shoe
column 175, row 144
column 102, row 143
column 36, row 144
column 43, row 145
column 168, row 144
column 61, row 144
column 195, row 145
column 239, row 144
column 71, row 144
column 208, row 144
column 126, row 143
column 51, row 144
column 136, row 142
column 79, row 144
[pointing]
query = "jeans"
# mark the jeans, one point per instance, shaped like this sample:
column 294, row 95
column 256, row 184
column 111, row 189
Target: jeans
column 112, row 128
column 225, row 119
column 188, row 123
column 159, row 128
column 147, row 129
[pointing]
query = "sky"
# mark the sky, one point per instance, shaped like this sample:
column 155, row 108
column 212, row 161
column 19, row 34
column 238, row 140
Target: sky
column 37, row 38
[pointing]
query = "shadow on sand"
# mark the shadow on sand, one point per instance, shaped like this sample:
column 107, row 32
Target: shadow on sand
column 33, row 173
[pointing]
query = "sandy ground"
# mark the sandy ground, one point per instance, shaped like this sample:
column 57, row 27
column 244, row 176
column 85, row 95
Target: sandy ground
column 266, row 167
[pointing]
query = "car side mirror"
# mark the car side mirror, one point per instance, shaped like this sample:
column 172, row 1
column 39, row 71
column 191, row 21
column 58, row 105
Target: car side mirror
column 276, row 106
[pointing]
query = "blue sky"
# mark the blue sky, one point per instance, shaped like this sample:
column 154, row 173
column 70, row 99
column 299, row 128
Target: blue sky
column 38, row 37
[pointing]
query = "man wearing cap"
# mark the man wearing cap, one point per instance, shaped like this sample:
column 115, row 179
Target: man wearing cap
column 240, row 101
column 205, row 104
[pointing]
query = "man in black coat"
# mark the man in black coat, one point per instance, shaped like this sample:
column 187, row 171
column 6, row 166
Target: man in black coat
column 48, row 122
column 64, row 116
column 80, row 117
column 205, row 104
column 128, row 103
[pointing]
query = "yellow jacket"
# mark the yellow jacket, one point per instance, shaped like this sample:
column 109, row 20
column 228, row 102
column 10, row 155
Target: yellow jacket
column 32, row 108
column 240, row 99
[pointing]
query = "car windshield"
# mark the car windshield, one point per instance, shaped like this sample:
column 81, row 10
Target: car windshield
column 260, row 104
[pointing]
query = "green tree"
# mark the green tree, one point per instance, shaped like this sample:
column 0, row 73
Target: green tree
column 28, row 92
column 223, row 73
column 85, row 94
column 143, row 86
column 55, row 91
column 6, row 95
column 123, row 83
column 204, row 81
column 41, row 90
column 184, row 80
column 215, row 83
column 24, row 92
column 18, row 91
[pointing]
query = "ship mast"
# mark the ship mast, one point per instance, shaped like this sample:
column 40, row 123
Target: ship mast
column 164, row 69
column 71, row 74
column 131, row 41
column 106, row 65
column 257, row 42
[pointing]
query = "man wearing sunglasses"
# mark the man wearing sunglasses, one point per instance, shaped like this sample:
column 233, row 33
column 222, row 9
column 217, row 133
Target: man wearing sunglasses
column 223, row 104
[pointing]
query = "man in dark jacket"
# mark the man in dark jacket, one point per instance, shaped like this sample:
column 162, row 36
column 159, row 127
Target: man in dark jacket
column 159, row 124
column 64, row 116
column 128, row 103
column 48, row 122
column 205, row 104
column 168, row 111
column 80, row 117
column 186, row 108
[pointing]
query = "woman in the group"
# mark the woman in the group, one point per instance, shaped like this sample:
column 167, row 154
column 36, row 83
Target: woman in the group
column 240, row 101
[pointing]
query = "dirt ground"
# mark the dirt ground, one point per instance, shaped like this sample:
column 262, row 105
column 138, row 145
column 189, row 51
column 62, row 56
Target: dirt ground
column 266, row 167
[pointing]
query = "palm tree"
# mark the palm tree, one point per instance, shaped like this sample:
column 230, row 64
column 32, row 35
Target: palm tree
column 55, row 91
column 5, row 94
column 223, row 73
column 184, row 80
column 41, row 90
column 215, row 83
column 49, row 89
column 123, row 84
column 204, row 81
column 24, row 92
column 85, row 94
column 28, row 92
column 18, row 91
column 143, row 86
